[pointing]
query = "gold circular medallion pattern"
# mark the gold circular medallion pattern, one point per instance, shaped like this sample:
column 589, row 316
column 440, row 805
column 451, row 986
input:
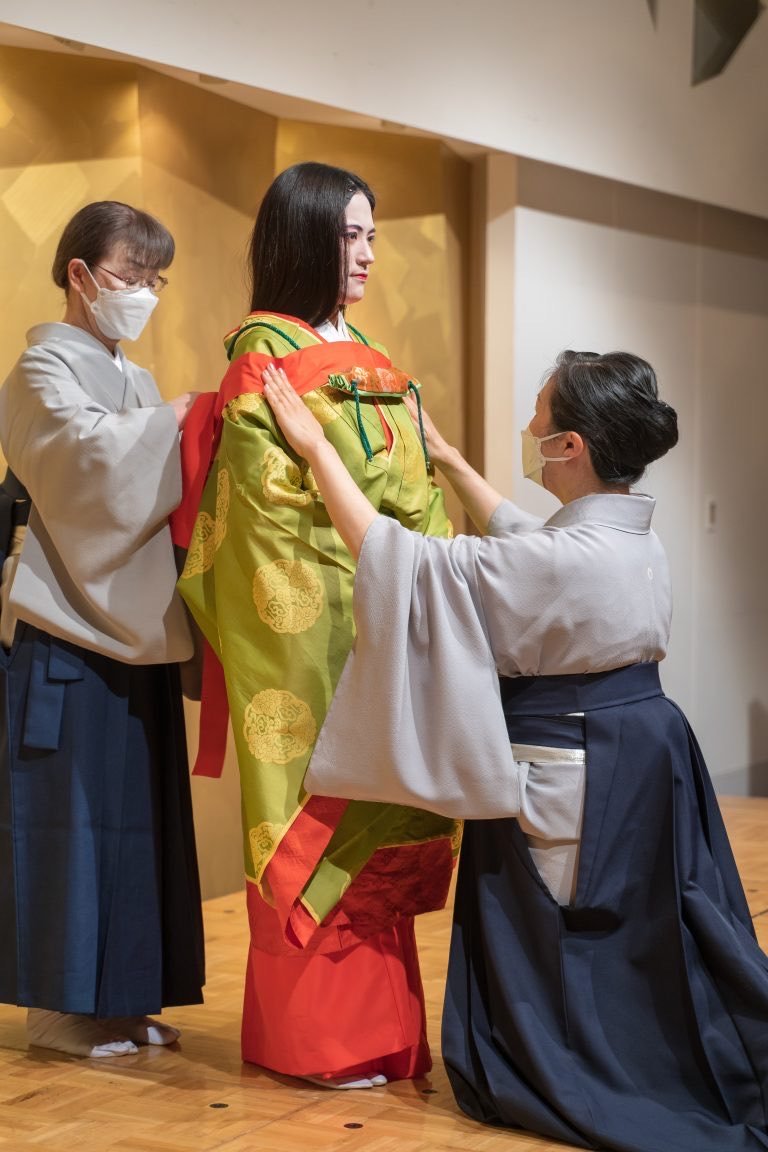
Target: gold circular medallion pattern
column 201, row 547
column 247, row 402
column 281, row 480
column 222, row 506
column 321, row 406
column 309, row 481
column 263, row 839
column 278, row 726
column 288, row 595
column 209, row 533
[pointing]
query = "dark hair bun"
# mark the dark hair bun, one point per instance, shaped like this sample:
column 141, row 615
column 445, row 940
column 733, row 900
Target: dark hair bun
column 612, row 400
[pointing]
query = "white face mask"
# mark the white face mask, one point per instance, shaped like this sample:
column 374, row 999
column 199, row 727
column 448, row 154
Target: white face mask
column 123, row 313
column 533, row 458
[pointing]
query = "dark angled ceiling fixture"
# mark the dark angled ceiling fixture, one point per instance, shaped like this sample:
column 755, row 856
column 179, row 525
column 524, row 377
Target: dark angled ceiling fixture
column 719, row 26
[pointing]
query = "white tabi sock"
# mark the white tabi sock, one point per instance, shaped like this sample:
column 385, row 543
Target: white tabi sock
column 75, row 1034
column 144, row 1030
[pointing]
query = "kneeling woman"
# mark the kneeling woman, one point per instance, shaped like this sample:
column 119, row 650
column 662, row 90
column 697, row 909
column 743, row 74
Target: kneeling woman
column 605, row 987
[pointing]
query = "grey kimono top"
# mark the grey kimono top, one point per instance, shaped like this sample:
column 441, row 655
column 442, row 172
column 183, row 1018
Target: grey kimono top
column 97, row 450
column 438, row 620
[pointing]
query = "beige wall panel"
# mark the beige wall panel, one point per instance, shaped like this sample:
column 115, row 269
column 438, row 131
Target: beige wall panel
column 405, row 172
column 206, row 164
column 69, row 135
column 62, row 108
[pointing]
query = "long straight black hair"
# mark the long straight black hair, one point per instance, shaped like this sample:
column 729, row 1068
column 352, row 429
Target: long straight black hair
column 298, row 263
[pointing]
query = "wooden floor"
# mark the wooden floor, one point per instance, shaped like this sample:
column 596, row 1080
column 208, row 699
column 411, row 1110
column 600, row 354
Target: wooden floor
column 198, row 1097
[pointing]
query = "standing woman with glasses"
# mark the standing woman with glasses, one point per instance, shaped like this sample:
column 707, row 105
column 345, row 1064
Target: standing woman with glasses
column 100, row 920
column 333, row 990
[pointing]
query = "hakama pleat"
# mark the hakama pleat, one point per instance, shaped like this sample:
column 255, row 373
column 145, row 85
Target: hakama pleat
column 99, row 890
column 635, row 1018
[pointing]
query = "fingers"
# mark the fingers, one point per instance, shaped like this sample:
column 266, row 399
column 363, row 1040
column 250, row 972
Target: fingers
column 276, row 383
column 413, row 410
column 272, row 374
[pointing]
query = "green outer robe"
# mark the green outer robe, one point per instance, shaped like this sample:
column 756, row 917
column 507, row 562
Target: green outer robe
column 269, row 581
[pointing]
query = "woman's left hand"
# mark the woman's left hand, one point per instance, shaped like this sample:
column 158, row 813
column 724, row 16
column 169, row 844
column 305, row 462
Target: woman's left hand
column 438, row 448
column 301, row 429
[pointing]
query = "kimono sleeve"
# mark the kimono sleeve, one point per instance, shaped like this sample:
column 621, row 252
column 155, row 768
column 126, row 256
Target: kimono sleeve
column 421, row 685
column 96, row 567
column 102, row 482
column 269, row 581
column 508, row 520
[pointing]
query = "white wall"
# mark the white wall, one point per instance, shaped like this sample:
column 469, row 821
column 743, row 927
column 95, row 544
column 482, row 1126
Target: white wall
column 592, row 85
column 731, row 641
column 699, row 314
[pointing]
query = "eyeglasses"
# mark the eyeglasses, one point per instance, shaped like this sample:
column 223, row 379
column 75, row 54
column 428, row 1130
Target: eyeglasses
column 155, row 285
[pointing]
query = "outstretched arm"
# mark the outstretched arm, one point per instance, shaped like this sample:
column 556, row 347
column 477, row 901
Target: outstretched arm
column 351, row 512
column 479, row 499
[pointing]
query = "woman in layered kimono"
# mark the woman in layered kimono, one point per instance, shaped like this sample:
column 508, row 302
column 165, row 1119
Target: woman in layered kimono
column 605, row 987
column 100, row 918
column 333, row 991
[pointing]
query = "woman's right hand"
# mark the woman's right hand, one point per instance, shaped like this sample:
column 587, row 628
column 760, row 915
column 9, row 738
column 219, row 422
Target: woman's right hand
column 351, row 512
column 181, row 406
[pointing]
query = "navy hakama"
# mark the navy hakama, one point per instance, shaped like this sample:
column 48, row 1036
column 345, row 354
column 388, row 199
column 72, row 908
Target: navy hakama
column 99, row 891
column 635, row 1018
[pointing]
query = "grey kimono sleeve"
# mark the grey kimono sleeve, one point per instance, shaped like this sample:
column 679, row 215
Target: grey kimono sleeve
column 97, row 565
column 416, row 718
column 509, row 520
